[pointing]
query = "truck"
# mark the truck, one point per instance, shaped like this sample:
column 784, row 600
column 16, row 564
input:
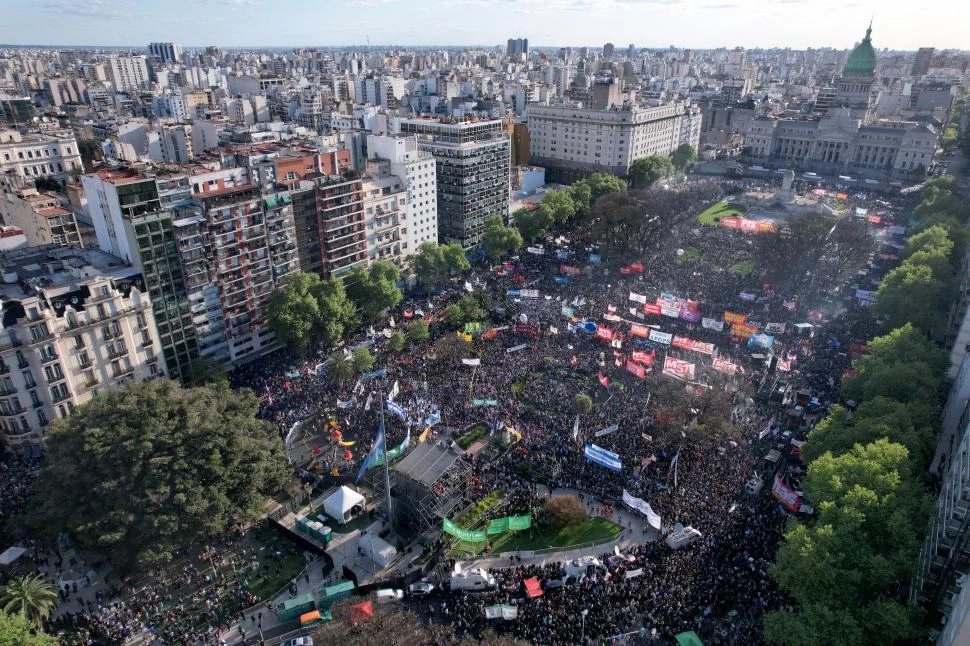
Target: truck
column 473, row 579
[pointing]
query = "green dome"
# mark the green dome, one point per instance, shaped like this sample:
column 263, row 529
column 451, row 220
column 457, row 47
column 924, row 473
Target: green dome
column 862, row 60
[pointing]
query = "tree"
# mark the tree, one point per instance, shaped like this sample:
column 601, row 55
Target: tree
column 31, row 596
column 910, row 293
column 601, row 184
column 564, row 511
column 90, row 150
column 418, row 331
column 582, row 403
column 647, row 170
column 363, row 360
column 950, row 138
column 294, row 311
column 396, row 342
column 337, row 312
column 528, row 225
column 374, row 290
column 16, row 630
column 683, row 156
column 500, row 240
column 561, row 206
column 342, row 366
column 434, row 263
column 582, row 197
column 206, row 370
column 455, row 260
column 140, row 472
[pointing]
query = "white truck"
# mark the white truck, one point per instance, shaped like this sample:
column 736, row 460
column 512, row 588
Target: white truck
column 473, row 579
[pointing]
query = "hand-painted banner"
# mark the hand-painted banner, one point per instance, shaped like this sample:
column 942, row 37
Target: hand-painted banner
column 529, row 330
column 637, row 329
column 651, row 308
column 743, row 331
column 603, row 457
column 639, row 298
column 661, row 337
column 775, row 328
column 725, row 366
column 734, row 318
column 644, row 358
column 643, row 507
column 691, row 316
column 784, row 494
column 636, row 369
column 712, row 324
column 678, row 369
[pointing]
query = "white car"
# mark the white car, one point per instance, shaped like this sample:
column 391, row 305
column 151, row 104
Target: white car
column 299, row 641
column 578, row 567
column 389, row 595
column 420, row 589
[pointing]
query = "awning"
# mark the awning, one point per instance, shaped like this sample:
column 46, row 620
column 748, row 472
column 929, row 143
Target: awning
column 533, row 588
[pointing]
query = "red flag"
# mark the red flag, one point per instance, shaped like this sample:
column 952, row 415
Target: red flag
column 636, row 369
column 603, row 380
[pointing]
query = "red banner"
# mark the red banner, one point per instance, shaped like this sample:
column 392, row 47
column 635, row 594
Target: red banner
column 639, row 330
column 604, row 333
column 644, row 358
column 603, row 380
column 679, row 369
column 529, row 330
column 636, row 369
column 725, row 366
column 743, row 331
column 784, row 495
column 683, row 343
column 568, row 270
column 733, row 317
column 651, row 308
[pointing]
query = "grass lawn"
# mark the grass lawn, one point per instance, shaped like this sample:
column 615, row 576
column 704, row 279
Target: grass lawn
column 473, row 435
column 538, row 538
column 743, row 268
column 263, row 586
column 690, row 255
column 720, row 210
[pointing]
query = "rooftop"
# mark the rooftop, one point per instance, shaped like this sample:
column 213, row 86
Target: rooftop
column 55, row 270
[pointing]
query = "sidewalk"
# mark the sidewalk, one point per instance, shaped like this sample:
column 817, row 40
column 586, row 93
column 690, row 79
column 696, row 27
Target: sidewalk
column 633, row 535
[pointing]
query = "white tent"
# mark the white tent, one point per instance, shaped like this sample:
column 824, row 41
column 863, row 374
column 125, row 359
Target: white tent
column 11, row 554
column 341, row 503
column 379, row 550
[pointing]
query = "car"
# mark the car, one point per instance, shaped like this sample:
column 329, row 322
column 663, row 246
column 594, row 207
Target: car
column 299, row 641
column 420, row 589
column 389, row 595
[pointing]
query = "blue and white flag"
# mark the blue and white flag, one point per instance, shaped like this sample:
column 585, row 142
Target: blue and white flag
column 432, row 419
column 397, row 410
column 603, row 457
column 347, row 404
column 376, row 452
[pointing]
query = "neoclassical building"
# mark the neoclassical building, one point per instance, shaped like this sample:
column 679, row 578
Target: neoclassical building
column 846, row 139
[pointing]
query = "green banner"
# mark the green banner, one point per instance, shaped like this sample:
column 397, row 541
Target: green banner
column 461, row 533
column 474, row 328
column 498, row 526
column 520, row 522
column 484, row 402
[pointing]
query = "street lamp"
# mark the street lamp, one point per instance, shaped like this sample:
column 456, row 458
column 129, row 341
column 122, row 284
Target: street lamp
column 582, row 638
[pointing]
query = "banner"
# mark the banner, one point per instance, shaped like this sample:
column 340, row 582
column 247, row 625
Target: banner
column 516, row 348
column 685, row 343
column 595, row 258
column 604, row 333
column 661, row 337
column 372, row 455
column 518, row 523
column 576, row 424
column 347, row 404
column 643, row 507
column 432, row 419
column 784, row 495
column 567, row 311
column 607, row 431
column 644, row 358
column 463, row 534
column 637, row 329
column 538, row 251
column 672, row 312
column 639, row 298
column 636, row 369
column 493, row 612
column 510, row 612
column 472, row 362
column 529, row 294
column 632, row 574
column 374, row 375
column 474, row 328
column 761, row 341
column 678, row 369
column 712, row 324
column 865, row 295
column 789, row 305
column 568, row 270
column 484, row 402
column 603, row 380
column 651, row 308
column 498, row 526
column 775, row 328
column 602, row 457
column 743, row 331
column 725, row 366
column 734, row 318
column 691, row 316
column 747, row 296
column 528, row 329
column 397, row 410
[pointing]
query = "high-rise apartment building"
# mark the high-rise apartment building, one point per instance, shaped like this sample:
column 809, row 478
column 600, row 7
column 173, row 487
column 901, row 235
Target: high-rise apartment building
column 128, row 73
column 41, row 217
column 472, row 172
column 40, row 154
column 417, row 170
column 922, row 60
column 168, row 52
column 76, row 322
column 517, row 46
column 609, row 51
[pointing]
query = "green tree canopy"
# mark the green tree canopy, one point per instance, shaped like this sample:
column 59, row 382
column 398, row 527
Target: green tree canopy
column 16, row 630
column 294, row 312
column 363, row 360
column 435, row 263
column 562, row 206
column 647, row 170
column 582, row 197
column 341, row 366
column 418, row 331
column 500, row 240
column 396, row 342
column 31, row 596
column 911, row 293
column 374, row 290
column 683, row 156
column 142, row 471
column 527, row 225
column 903, row 365
column 601, row 184
column 582, row 403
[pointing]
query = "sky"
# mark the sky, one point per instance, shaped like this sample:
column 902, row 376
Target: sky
column 700, row 24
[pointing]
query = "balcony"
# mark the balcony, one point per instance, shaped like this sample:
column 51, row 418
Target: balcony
column 47, row 358
column 4, row 368
column 117, row 353
column 91, row 383
column 123, row 372
column 62, row 397
column 7, row 391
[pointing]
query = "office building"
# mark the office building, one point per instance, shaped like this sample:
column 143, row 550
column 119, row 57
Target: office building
column 572, row 141
column 472, row 172
column 40, row 154
column 517, row 46
column 168, row 52
column 76, row 322
column 128, row 73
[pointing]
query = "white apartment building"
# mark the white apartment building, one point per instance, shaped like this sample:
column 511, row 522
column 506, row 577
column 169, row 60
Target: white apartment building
column 572, row 141
column 385, row 213
column 128, row 72
column 41, row 218
column 417, row 171
column 47, row 154
column 76, row 322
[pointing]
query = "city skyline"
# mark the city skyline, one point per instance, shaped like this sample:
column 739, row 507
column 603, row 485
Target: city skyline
column 797, row 24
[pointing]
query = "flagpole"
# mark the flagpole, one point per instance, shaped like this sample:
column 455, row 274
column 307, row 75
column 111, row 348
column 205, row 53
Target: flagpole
column 387, row 473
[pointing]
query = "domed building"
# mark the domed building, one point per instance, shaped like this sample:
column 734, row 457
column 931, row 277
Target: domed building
column 855, row 88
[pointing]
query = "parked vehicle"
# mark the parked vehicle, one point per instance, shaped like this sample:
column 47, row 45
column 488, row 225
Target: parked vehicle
column 420, row 589
column 389, row 595
column 474, row 579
